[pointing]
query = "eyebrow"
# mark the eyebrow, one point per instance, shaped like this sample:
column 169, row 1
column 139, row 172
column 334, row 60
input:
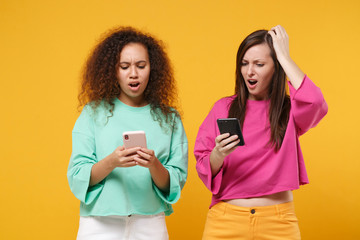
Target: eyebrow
column 256, row 60
column 141, row 61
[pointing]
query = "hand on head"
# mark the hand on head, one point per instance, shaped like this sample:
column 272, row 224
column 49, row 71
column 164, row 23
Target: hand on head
column 280, row 41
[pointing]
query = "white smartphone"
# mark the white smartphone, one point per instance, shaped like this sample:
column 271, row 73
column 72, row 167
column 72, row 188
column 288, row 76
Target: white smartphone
column 134, row 139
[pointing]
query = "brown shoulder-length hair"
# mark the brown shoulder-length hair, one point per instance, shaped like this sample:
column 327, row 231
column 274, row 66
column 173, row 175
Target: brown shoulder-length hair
column 100, row 84
column 279, row 100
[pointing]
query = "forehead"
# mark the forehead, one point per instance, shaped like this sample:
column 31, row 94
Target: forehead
column 260, row 51
column 135, row 51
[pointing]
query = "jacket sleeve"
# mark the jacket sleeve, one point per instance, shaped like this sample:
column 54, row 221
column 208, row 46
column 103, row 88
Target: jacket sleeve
column 308, row 105
column 204, row 144
column 82, row 159
column 176, row 164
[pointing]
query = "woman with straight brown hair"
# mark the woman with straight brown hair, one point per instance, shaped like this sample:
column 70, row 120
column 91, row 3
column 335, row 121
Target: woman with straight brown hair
column 252, row 185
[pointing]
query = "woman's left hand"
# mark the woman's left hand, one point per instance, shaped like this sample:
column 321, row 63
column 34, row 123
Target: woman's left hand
column 159, row 173
column 280, row 42
column 281, row 46
column 146, row 158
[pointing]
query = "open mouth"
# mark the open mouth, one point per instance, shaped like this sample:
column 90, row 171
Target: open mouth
column 133, row 85
column 252, row 82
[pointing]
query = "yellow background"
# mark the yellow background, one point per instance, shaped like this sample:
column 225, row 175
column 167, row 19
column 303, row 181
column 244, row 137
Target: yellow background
column 43, row 46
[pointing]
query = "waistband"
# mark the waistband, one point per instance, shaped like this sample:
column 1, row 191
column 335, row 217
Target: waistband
column 126, row 216
column 259, row 211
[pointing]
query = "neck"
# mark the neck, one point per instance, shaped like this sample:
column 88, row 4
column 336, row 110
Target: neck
column 134, row 102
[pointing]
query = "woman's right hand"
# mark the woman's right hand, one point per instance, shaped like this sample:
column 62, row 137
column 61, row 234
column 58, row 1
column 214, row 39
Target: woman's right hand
column 123, row 157
column 224, row 145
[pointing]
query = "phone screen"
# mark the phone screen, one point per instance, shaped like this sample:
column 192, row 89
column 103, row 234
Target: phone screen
column 232, row 126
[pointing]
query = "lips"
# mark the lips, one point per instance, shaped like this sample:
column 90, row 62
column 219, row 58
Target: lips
column 252, row 83
column 134, row 86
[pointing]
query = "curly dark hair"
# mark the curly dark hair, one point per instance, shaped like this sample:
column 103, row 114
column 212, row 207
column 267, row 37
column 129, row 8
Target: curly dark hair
column 99, row 79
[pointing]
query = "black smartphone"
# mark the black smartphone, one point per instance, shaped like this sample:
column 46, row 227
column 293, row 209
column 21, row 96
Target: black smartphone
column 232, row 126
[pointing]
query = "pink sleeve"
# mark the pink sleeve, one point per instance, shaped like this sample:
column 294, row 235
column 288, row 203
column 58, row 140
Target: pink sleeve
column 204, row 144
column 308, row 105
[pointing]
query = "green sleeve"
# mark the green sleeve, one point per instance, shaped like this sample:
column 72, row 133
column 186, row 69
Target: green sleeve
column 177, row 164
column 82, row 159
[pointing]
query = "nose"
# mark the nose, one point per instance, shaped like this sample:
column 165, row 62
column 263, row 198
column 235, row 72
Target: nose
column 133, row 72
column 250, row 70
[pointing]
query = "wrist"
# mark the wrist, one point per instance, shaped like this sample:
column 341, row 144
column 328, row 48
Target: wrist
column 216, row 156
column 284, row 59
column 109, row 163
column 216, row 162
column 156, row 165
column 219, row 155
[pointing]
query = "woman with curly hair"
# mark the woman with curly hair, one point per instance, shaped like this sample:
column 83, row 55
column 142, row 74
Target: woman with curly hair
column 125, row 193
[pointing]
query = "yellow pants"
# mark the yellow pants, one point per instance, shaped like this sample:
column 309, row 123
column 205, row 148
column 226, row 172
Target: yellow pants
column 276, row 222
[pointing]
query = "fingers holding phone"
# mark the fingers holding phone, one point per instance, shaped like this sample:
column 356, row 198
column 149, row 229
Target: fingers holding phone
column 230, row 137
column 231, row 126
column 146, row 158
column 142, row 156
column 226, row 144
column 227, row 141
column 123, row 157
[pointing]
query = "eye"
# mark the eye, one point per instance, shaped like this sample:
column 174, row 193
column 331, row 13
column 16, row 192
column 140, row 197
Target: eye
column 244, row 63
column 124, row 66
column 141, row 64
column 260, row 64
